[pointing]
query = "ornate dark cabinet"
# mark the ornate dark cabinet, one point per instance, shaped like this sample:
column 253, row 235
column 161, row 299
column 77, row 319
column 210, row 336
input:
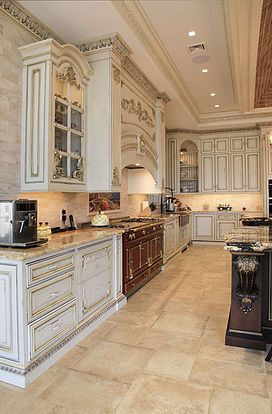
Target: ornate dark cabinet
column 142, row 257
column 248, row 308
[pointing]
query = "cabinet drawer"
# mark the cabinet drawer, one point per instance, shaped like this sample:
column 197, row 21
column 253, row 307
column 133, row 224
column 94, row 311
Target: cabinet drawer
column 95, row 291
column 44, row 298
column 46, row 268
column 46, row 331
column 227, row 217
column 96, row 260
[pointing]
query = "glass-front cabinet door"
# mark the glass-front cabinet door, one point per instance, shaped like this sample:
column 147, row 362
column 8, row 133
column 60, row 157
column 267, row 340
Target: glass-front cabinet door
column 68, row 134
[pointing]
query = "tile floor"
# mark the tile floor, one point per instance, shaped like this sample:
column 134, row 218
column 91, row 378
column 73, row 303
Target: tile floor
column 163, row 353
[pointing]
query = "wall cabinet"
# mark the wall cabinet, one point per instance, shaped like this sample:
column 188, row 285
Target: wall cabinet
column 55, row 78
column 245, row 169
column 215, row 173
column 9, row 347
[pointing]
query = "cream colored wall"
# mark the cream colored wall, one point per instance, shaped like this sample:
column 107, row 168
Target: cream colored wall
column 252, row 201
column 12, row 35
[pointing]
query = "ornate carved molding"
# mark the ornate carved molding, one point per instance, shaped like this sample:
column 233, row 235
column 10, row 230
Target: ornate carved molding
column 137, row 74
column 69, row 76
column 15, row 10
column 58, row 171
column 133, row 108
column 140, row 144
column 208, row 131
column 116, row 182
column 116, row 74
column 112, row 39
column 246, row 290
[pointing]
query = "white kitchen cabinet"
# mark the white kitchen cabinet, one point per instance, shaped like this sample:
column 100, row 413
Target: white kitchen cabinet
column 215, row 173
column 214, row 145
column 53, row 117
column 248, row 143
column 222, row 173
column 104, row 121
column 225, row 222
column 8, row 313
column 170, row 238
column 238, row 172
column 207, row 173
column 237, row 144
column 245, row 170
column 96, row 277
column 252, row 172
column 252, row 143
column 203, row 226
column 182, row 237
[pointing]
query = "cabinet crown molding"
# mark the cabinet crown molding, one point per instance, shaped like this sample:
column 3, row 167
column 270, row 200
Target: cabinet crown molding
column 17, row 12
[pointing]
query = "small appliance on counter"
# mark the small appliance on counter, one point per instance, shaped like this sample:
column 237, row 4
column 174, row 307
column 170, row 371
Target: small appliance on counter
column 224, row 207
column 169, row 201
column 100, row 220
column 18, row 223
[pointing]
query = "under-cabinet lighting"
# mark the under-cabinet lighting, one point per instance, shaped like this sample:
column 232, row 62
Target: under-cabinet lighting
column 204, row 70
column 137, row 165
column 216, row 106
column 191, row 34
column 212, row 94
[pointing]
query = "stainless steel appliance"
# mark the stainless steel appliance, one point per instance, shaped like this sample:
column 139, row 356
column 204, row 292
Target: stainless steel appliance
column 18, row 223
column 169, row 201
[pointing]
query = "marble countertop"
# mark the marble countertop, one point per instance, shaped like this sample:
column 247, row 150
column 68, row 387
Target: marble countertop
column 59, row 241
column 249, row 238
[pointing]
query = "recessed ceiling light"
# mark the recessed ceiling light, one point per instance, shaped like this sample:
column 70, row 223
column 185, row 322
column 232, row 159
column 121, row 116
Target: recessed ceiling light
column 216, row 106
column 137, row 165
column 212, row 94
column 204, row 70
column 191, row 34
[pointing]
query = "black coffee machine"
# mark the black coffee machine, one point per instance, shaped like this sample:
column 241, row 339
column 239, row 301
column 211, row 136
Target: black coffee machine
column 167, row 203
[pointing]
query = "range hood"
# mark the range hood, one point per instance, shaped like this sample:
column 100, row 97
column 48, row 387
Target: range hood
column 140, row 181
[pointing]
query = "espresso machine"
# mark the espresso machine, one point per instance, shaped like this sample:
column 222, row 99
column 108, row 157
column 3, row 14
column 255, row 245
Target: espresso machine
column 169, row 201
column 18, row 223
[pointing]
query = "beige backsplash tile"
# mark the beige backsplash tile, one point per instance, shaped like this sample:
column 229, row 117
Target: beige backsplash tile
column 252, row 201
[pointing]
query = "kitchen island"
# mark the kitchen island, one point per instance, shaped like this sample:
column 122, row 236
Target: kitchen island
column 53, row 295
column 250, row 318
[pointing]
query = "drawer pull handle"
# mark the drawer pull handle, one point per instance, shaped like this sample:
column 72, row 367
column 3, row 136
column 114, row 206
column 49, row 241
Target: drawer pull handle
column 54, row 294
column 56, row 325
column 52, row 267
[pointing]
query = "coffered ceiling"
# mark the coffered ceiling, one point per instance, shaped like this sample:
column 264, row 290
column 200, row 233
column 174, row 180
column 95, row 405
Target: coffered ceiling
column 157, row 32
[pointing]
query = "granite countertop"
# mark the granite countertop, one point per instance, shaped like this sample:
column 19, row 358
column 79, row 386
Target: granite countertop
column 59, row 241
column 248, row 238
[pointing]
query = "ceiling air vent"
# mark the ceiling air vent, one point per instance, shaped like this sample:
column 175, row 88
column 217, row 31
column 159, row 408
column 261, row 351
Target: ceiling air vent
column 197, row 49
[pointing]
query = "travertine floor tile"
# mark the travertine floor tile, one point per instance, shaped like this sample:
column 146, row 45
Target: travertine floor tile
column 170, row 364
column 115, row 361
column 213, row 347
column 97, row 334
column 232, row 376
column 190, row 323
column 230, row 402
column 125, row 334
column 86, row 393
column 156, row 395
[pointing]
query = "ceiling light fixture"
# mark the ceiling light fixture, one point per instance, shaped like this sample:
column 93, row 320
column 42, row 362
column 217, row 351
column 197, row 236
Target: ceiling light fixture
column 137, row 165
column 216, row 106
column 191, row 34
column 204, row 70
column 212, row 94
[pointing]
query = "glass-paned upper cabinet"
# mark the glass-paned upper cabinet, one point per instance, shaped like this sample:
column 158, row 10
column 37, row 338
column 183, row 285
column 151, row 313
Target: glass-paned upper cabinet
column 69, row 126
column 188, row 167
column 53, row 133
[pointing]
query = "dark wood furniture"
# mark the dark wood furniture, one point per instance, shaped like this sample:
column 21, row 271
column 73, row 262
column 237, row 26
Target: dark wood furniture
column 142, row 256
